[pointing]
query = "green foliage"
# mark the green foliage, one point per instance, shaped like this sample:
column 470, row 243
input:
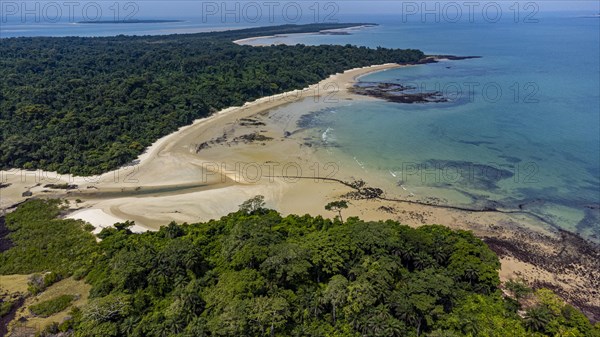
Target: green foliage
column 335, row 294
column 89, row 227
column 52, row 306
column 518, row 288
column 538, row 318
column 551, row 316
column 5, row 307
column 87, row 105
column 256, row 273
column 259, row 274
column 252, row 205
column 481, row 315
column 44, row 243
column 107, row 308
column 38, row 282
column 337, row 206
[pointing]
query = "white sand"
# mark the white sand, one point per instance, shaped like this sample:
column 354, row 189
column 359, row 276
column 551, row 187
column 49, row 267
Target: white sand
column 171, row 163
column 251, row 40
column 100, row 220
column 171, row 182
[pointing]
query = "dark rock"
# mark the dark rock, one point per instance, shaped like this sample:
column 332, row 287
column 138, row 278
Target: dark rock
column 397, row 93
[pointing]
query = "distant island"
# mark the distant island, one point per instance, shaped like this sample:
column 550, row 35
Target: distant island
column 132, row 21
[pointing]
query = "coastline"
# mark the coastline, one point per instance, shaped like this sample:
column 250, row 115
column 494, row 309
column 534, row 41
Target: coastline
column 195, row 174
column 249, row 40
column 167, row 163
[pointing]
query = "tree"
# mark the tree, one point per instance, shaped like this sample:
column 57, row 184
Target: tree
column 518, row 288
column 271, row 311
column 253, row 205
column 172, row 230
column 288, row 264
column 337, row 206
column 336, row 293
column 537, row 318
column 420, row 299
column 479, row 315
column 107, row 308
column 260, row 274
column 124, row 226
column 78, row 106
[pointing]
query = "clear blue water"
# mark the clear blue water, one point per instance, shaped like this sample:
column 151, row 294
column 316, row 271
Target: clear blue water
column 523, row 128
column 534, row 146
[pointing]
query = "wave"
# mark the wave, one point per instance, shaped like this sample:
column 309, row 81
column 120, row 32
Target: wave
column 325, row 137
column 362, row 165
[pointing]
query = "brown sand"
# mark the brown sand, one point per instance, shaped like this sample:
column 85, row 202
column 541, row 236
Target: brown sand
column 205, row 170
column 170, row 181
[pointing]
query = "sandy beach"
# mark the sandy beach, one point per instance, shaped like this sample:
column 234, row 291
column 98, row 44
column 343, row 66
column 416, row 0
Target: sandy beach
column 207, row 169
column 252, row 41
column 171, row 181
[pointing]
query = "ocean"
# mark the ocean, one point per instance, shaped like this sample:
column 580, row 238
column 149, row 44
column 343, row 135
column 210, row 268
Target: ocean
column 521, row 130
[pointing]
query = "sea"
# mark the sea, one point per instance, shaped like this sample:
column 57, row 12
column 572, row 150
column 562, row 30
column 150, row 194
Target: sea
column 520, row 129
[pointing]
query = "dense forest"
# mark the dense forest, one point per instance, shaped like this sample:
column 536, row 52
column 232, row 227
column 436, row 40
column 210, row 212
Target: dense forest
column 85, row 105
column 256, row 273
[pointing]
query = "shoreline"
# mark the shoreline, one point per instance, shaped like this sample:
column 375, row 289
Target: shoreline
column 191, row 175
column 144, row 171
column 245, row 41
column 269, row 102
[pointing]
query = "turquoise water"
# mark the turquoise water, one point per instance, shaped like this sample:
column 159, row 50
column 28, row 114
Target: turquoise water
column 522, row 130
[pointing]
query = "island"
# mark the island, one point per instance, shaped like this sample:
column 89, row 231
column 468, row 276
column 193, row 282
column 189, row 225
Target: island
column 125, row 211
column 130, row 21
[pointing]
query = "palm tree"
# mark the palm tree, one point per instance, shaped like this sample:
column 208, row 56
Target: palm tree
column 469, row 326
column 422, row 261
column 408, row 254
column 440, row 255
column 472, row 274
column 537, row 318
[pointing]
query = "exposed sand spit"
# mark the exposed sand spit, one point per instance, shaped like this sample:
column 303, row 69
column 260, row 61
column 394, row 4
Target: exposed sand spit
column 205, row 170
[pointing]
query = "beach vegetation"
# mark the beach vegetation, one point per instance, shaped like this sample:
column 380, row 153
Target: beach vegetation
column 252, row 205
column 263, row 274
column 337, row 206
column 5, row 307
column 52, row 306
column 86, row 105
column 44, row 243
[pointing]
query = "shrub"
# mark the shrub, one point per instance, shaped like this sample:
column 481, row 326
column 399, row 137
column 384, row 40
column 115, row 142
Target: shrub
column 88, row 227
column 5, row 308
column 52, row 306
column 38, row 283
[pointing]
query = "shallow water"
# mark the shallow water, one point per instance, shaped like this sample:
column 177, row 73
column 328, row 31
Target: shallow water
column 522, row 130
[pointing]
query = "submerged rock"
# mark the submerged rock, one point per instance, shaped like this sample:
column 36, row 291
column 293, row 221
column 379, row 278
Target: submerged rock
column 397, row 93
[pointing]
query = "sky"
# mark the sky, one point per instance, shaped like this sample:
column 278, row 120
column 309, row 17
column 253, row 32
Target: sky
column 178, row 7
column 274, row 11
